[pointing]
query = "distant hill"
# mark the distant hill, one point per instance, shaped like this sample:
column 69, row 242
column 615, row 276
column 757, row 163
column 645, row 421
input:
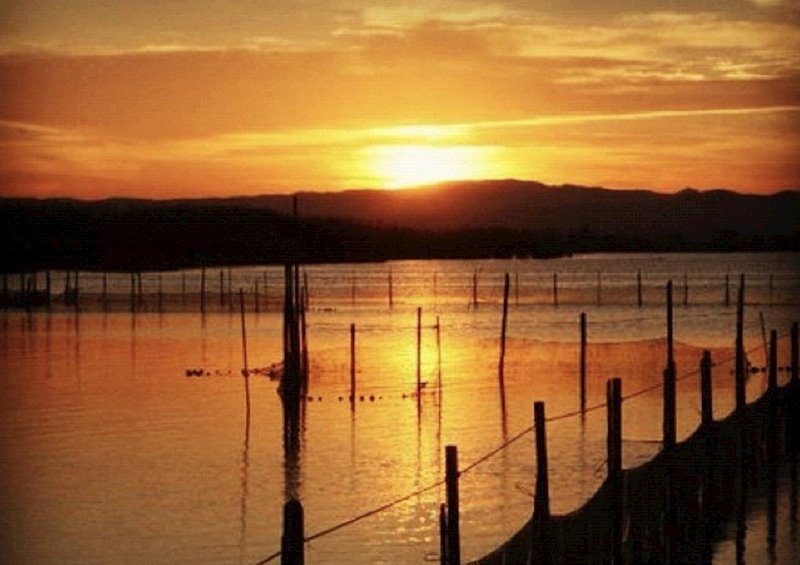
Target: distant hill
column 454, row 220
column 525, row 205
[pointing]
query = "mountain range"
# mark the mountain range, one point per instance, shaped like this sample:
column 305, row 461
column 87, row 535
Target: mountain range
column 452, row 220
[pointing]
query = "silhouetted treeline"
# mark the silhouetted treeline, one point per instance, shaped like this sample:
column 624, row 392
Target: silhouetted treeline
column 148, row 235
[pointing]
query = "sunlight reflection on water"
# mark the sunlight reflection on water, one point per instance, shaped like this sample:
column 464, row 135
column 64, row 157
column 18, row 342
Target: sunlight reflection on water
column 109, row 450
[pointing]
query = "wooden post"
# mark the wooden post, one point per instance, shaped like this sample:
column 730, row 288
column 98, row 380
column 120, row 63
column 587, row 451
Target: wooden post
column 727, row 290
column 293, row 534
column 439, row 359
column 443, row 560
column 419, row 356
column 453, row 530
column 203, row 290
column 257, row 299
column 669, row 421
column 541, row 502
column 352, row 366
column 740, row 369
column 639, row 288
column 582, row 362
column 772, row 376
column 555, row 290
column 502, row 364
column 706, row 399
column 244, row 331
column 230, row 290
column 614, row 448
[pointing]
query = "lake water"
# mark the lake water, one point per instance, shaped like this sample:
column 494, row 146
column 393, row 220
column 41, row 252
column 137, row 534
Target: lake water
column 110, row 453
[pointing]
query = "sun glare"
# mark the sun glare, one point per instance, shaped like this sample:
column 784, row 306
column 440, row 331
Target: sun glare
column 401, row 166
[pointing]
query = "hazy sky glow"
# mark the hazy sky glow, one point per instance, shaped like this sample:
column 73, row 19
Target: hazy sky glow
column 166, row 98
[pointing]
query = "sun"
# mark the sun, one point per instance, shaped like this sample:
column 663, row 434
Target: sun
column 400, row 166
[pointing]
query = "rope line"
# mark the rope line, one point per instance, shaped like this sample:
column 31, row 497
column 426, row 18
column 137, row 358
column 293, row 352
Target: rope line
column 516, row 437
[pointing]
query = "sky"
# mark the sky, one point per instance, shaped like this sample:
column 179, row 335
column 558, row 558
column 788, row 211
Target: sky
column 192, row 98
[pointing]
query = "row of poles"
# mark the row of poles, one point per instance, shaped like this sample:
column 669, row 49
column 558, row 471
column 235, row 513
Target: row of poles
column 30, row 296
column 449, row 514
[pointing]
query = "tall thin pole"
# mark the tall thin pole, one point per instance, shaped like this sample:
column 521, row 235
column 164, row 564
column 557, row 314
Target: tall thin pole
column 502, row 364
column 257, row 299
column 419, row 356
column 639, row 288
column 582, row 361
column 352, row 366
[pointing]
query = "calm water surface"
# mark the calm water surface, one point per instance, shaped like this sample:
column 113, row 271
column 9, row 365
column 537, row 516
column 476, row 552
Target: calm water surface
column 110, row 453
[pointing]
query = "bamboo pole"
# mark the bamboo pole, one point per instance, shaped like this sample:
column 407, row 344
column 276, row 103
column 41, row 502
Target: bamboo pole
column 502, row 364
column 582, row 363
column 419, row 357
column 352, row 366
column 639, row 288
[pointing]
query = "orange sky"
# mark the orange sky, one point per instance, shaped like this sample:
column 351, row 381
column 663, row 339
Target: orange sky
column 175, row 98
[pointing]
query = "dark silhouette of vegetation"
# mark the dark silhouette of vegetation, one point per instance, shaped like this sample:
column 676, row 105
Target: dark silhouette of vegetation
column 128, row 235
